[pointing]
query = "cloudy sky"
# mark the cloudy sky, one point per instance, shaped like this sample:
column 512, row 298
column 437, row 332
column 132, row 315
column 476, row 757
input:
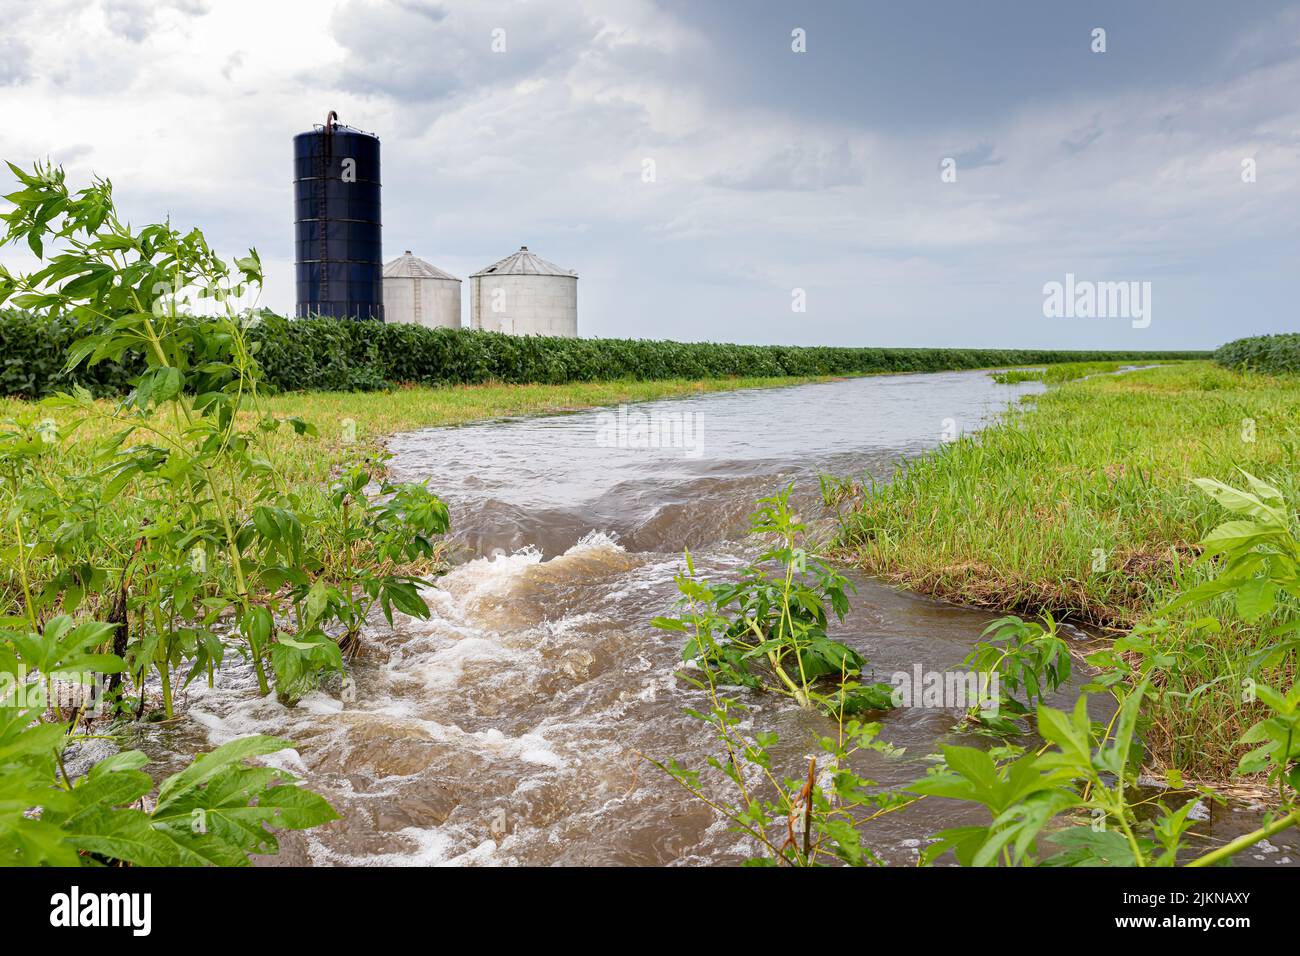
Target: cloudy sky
column 774, row 170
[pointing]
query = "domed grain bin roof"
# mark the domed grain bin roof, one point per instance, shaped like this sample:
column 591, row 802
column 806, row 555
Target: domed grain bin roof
column 524, row 263
column 407, row 266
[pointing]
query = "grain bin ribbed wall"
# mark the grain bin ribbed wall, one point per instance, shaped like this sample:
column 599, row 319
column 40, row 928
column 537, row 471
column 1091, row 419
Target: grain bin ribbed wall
column 524, row 294
column 338, row 254
column 419, row 293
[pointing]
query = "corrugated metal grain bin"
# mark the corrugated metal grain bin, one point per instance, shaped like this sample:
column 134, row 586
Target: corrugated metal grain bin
column 338, row 253
column 523, row 294
column 420, row 293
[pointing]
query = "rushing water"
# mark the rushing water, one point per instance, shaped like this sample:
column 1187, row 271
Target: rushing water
column 508, row 728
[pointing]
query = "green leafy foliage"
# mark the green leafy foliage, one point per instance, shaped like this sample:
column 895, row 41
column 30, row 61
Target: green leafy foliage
column 1020, row 795
column 1275, row 354
column 225, row 538
column 1092, row 772
column 1258, row 552
column 769, row 629
column 217, row 811
column 1025, row 660
column 810, row 820
column 222, row 553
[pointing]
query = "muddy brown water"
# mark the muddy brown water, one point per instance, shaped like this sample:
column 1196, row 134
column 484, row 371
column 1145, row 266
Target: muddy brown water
column 506, row 729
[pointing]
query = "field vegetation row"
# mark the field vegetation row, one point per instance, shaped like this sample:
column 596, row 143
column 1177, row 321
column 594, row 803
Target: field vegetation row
column 1274, row 354
column 330, row 354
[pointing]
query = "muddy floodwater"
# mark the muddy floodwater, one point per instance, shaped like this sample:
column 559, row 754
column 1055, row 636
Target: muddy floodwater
column 506, row 729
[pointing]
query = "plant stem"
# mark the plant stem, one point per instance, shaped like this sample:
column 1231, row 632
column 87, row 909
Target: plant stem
column 22, row 573
column 164, row 671
column 785, row 679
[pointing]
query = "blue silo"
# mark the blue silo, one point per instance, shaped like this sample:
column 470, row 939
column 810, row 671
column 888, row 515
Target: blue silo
column 338, row 255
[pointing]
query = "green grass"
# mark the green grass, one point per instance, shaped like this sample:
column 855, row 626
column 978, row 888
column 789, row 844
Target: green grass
column 1017, row 516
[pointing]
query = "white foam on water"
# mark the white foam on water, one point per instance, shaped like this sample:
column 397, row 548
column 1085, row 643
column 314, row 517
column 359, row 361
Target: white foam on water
column 531, row 748
column 432, row 848
column 485, row 854
column 443, row 668
column 595, row 540
column 469, row 583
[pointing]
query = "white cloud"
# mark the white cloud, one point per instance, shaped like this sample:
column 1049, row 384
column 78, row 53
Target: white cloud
column 15, row 61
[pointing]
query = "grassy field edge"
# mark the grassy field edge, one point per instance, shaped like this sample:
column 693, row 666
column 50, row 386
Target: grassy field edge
column 1080, row 503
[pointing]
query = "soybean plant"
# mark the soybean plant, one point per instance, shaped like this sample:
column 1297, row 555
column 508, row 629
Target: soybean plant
column 769, row 629
column 1028, row 660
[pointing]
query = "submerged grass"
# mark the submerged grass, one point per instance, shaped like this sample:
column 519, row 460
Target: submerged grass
column 1081, row 504
column 1055, row 374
